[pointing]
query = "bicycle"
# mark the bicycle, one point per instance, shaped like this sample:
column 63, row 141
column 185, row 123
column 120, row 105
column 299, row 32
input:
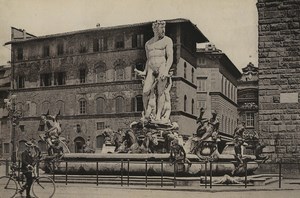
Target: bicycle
column 10, row 186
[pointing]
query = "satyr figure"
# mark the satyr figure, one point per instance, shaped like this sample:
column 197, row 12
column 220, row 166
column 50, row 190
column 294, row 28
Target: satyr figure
column 52, row 133
column 239, row 141
column 159, row 52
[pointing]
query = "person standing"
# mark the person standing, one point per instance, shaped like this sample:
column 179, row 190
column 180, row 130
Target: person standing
column 27, row 168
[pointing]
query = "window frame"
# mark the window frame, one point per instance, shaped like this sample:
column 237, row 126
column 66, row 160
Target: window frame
column 138, row 41
column 202, row 84
column 60, row 78
column 249, row 119
column 120, row 42
column 102, row 109
column 46, row 51
column 21, row 82
column 60, row 49
column 98, row 127
column 82, row 77
column 48, row 80
column 119, row 104
column 20, row 53
column 6, row 147
column 82, row 106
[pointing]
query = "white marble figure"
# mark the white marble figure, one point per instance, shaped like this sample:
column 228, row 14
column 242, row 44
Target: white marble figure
column 159, row 52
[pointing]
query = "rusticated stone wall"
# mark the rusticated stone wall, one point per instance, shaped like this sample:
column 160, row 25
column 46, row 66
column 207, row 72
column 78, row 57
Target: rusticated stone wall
column 279, row 77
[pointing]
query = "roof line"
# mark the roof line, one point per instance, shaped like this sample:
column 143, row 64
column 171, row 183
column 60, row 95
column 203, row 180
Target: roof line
column 177, row 20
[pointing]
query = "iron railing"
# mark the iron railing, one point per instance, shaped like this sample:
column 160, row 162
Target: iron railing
column 127, row 162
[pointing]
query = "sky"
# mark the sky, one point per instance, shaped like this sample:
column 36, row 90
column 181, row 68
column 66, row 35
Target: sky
column 232, row 25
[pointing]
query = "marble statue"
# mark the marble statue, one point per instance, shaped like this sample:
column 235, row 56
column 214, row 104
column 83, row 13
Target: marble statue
column 157, row 82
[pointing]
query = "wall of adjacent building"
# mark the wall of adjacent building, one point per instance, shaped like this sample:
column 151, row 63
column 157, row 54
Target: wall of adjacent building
column 216, row 96
column 279, row 78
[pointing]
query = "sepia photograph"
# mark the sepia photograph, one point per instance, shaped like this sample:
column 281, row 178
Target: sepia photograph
column 149, row 98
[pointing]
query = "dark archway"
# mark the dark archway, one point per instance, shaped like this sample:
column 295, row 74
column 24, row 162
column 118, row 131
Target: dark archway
column 78, row 143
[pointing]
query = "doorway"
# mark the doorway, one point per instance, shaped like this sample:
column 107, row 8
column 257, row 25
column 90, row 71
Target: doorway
column 78, row 143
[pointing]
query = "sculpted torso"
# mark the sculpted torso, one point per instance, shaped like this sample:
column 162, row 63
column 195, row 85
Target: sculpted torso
column 156, row 53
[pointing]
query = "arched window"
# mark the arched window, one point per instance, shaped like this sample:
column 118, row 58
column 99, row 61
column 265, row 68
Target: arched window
column 222, row 84
column 119, row 104
column 225, row 86
column 60, row 107
column 82, row 106
column 100, row 105
column 32, row 109
column 232, row 127
column 193, row 106
column 228, row 125
column 228, row 89
column 140, row 65
column 45, row 107
column 184, row 70
column 139, row 103
column 119, row 70
column 193, row 75
column 184, row 103
column 100, row 69
column 223, row 124
column 231, row 94
column 119, row 73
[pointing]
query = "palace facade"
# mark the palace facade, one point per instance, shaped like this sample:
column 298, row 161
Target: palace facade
column 87, row 76
column 217, row 82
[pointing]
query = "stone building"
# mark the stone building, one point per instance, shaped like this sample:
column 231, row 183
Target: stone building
column 279, row 78
column 247, row 97
column 217, row 81
column 88, row 77
column 5, row 72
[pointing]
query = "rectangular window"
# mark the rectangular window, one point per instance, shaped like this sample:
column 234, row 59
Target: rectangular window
column 45, row 79
column 60, row 49
column 82, row 76
column 46, row 51
column 6, row 147
column 120, row 42
column 138, row 40
column 103, row 44
column 21, row 81
column 100, row 125
column 249, row 119
column 20, row 53
column 82, row 107
column 119, row 73
column 96, row 45
column 100, row 44
column 202, row 85
column 22, row 128
column 83, row 48
column 201, row 104
column 201, row 61
column 60, row 78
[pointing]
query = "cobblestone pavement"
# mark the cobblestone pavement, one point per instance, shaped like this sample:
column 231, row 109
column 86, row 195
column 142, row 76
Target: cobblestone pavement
column 75, row 190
